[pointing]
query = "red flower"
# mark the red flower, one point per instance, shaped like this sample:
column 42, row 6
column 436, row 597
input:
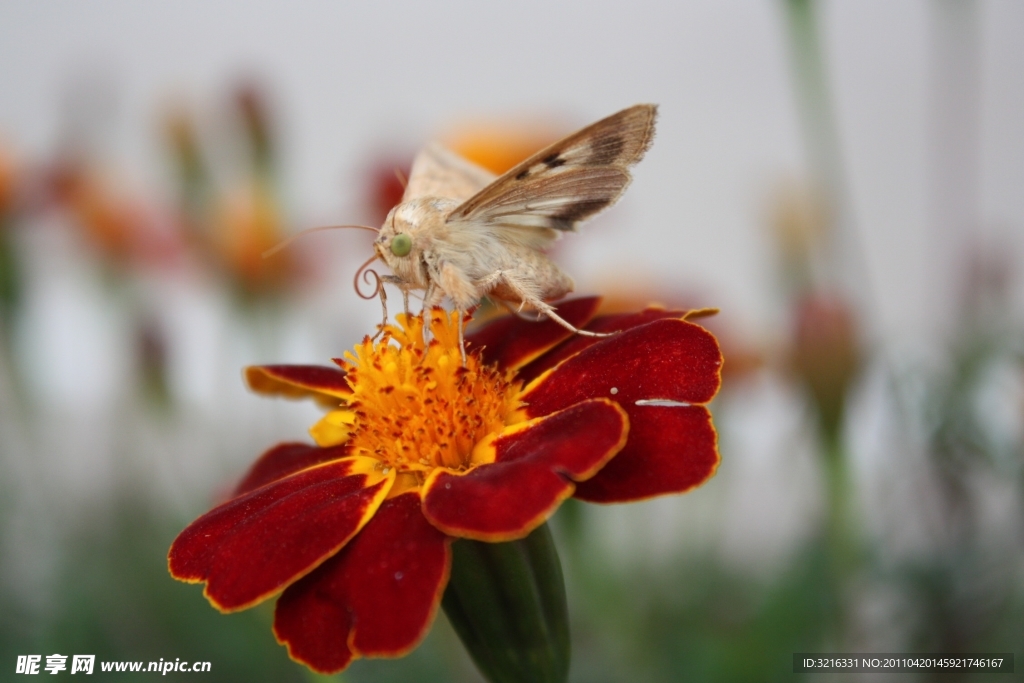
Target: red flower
column 357, row 530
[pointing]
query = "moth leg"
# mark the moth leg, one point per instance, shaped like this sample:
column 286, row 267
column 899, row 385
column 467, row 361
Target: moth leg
column 425, row 310
column 463, row 293
column 550, row 312
column 433, row 296
column 384, row 307
column 542, row 306
column 402, row 286
column 518, row 312
column 462, row 339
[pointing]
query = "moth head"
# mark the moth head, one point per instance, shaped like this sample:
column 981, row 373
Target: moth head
column 397, row 238
column 409, row 230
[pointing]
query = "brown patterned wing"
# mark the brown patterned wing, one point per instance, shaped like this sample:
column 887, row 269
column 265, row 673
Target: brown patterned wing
column 569, row 181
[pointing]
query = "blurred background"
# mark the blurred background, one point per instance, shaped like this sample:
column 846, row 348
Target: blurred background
column 842, row 179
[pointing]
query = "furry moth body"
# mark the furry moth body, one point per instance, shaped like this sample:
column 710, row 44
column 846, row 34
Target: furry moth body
column 461, row 232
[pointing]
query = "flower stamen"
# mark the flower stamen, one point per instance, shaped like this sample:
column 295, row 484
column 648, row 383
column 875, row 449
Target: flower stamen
column 415, row 406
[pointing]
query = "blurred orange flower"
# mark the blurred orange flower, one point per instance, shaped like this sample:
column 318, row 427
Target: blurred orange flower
column 498, row 147
column 247, row 224
column 125, row 229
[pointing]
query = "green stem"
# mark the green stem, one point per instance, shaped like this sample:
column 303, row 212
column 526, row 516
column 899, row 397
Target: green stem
column 840, row 535
column 506, row 601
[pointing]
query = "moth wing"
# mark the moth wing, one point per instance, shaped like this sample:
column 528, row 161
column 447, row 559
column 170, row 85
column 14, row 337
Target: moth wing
column 439, row 172
column 566, row 182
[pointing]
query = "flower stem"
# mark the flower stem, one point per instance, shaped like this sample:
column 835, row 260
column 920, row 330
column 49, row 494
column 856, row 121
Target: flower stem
column 841, row 536
column 507, row 603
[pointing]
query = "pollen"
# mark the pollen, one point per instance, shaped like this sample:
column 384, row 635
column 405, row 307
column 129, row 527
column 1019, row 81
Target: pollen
column 414, row 406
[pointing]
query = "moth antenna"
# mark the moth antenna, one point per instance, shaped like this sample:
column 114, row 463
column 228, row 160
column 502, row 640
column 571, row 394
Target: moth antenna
column 366, row 273
column 273, row 250
column 401, row 178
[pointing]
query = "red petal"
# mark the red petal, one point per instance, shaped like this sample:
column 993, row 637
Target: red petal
column 576, row 343
column 512, row 342
column 535, row 465
column 285, row 459
column 665, row 359
column 319, row 382
column 377, row 597
column 670, row 450
column 253, row 546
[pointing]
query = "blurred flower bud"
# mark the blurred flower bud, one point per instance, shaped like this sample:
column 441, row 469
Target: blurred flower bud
column 151, row 356
column 251, row 103
column 826, row 354
column 7, row 179
column 800, row 223
column 387, row 177
column 181, row 134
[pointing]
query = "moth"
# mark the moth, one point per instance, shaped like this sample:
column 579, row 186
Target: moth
column 462, row 233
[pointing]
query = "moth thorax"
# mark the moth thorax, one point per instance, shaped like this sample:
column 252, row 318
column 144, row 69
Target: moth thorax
column 421, row 215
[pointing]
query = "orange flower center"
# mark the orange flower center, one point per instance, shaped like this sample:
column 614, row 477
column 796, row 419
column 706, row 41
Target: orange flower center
column 414, row 406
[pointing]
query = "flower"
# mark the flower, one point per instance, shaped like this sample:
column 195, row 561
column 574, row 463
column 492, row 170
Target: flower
column 418, row 450
column 825, row 354
column 232, row 224
column 500, row 145
column 125, row 229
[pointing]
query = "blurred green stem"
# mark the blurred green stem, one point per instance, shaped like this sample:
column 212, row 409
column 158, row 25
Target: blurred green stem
column 841, row 256
column 11, row 274
column 821, row 137
column 841, row 536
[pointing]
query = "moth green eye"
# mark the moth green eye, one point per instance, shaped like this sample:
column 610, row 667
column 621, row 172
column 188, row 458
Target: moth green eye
column 401, row 245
